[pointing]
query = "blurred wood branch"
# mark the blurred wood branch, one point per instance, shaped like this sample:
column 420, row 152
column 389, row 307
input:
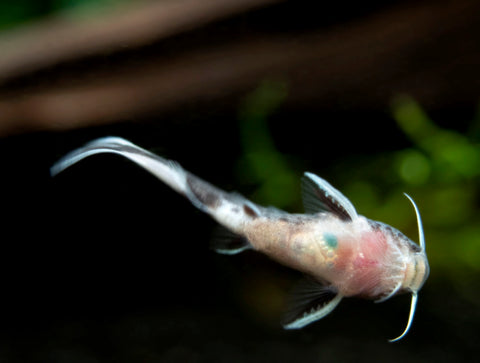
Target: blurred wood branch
column 63, row 38
column 162, row 56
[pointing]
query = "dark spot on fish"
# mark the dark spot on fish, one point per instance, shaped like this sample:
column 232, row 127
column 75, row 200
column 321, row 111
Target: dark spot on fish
column 325, row 200
column 207, row 194
column 396, row 234
column 295, row 220
column 249, row 211
column 414, row 247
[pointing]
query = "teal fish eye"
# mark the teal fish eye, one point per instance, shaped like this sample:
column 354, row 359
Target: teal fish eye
column 330, row 240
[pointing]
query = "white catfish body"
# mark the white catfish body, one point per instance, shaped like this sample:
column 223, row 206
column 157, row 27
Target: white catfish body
column 356, row 258
column 344, row 254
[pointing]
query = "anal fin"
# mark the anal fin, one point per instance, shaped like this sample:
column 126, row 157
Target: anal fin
column 310, row 302
column 227, row 242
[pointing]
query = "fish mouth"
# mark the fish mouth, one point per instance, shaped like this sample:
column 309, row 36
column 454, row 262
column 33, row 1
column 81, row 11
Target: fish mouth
column 426, row 271
column 418, row 273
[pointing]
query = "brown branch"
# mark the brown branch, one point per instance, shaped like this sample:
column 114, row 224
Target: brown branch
column 427, row 49
column 61, row 38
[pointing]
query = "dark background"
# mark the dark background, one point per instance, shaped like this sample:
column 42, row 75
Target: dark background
column 104, row 263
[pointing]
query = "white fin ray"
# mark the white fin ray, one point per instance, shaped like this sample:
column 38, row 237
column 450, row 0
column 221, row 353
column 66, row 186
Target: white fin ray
column 314, row 315
column 310, row 302
column 320, row 196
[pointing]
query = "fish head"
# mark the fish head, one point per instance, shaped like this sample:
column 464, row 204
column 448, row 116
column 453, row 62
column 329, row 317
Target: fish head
column 417, row 270
column 412, row 268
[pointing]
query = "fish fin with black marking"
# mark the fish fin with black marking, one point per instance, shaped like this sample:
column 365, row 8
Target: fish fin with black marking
column 319, row 196
column 310, row 301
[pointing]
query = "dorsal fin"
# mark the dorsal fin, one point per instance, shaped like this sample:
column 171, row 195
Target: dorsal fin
column 320, row 196
column 310, row 302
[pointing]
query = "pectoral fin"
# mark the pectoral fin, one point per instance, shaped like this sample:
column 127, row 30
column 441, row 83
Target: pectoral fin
column 226, row 242
column 310, row 302
column 320, row 196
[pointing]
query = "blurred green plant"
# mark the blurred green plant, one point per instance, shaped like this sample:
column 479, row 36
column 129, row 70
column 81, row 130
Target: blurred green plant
column 440, row 170
column 443, row 166
column 262, row 164
column 16, row 12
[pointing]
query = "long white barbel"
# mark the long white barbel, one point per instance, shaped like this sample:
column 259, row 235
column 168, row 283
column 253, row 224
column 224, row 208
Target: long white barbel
column 413, row 304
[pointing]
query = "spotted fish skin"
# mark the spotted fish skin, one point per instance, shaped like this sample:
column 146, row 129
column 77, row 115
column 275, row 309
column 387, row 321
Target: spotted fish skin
column 343, row 254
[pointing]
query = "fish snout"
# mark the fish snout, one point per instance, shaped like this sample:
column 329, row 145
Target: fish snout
column 417, row 272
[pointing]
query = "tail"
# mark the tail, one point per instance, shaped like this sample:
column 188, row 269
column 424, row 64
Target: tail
column 230, row 210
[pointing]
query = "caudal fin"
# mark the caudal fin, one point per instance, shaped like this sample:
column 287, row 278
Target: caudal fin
column 231, row 210
column 168, row 171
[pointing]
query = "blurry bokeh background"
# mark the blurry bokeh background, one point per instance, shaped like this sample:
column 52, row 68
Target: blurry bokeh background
column 106, row 264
